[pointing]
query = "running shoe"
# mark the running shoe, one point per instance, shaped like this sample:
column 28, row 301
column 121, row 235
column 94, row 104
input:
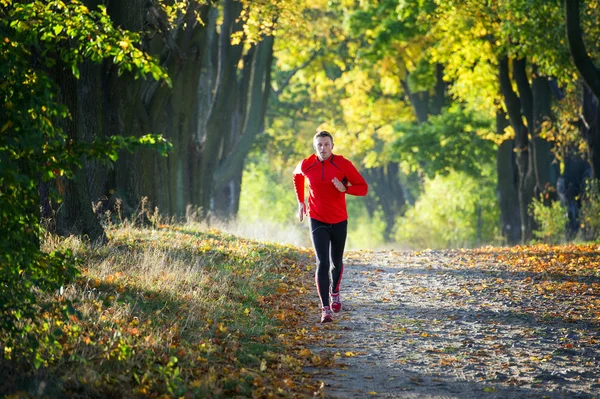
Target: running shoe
column 336, row 302
column 326, row 315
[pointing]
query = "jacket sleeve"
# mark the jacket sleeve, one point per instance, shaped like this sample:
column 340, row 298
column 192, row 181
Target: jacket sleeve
column 358, row 186
column 299, row 182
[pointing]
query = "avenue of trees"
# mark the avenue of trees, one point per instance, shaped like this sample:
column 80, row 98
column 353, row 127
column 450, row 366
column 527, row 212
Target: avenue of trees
column 494, row 95
column 412, row 90
column 491, row 104
column 108, row 102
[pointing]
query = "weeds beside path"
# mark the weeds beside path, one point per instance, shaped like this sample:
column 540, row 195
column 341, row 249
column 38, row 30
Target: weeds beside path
column 180, row 311
column 176, row 311
column 492, row 323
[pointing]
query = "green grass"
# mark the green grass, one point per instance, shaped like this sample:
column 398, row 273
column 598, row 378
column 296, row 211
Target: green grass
column 169, row 312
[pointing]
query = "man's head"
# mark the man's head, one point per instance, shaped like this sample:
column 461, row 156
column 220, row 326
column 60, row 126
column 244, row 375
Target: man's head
column 323, row 144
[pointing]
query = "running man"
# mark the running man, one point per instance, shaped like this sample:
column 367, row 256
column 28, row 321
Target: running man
column 330, row 177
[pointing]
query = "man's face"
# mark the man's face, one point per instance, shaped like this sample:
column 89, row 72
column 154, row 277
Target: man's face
column 323, row 146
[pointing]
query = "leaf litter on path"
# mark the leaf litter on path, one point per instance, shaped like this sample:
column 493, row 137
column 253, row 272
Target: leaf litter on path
column 490, row 323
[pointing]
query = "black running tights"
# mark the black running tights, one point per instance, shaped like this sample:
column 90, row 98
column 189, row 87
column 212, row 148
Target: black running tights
column 329, row 241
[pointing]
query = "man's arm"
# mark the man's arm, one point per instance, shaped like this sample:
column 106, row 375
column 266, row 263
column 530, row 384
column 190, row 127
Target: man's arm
column 358, row 186
column 299, row 187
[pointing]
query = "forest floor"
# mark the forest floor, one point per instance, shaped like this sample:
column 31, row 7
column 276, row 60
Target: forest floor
column 489, row 323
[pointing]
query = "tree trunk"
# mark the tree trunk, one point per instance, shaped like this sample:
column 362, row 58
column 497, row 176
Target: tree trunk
column 525, row 184
column 536, row 106
column 507, row 186
column 590, row 128
column 591, row 77
column 385, row 182
column 439, row 101
column 581, row 59
column 525, row 93
column 252, row 107
column 544, row 163
column 75, row 215
column 152, row 107
column 419, row 101
column 219, row 120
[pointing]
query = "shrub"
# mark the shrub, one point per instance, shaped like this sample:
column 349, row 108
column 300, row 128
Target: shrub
column 34, row 37
column 590, row 211
column 551, row 221
column 455, row 210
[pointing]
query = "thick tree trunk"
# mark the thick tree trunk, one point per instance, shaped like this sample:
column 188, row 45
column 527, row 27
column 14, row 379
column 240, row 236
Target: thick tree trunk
column 506, row 189
column 254, row 92
column 152, row 107
column 385, row 182
column 208, row 77
column 544, row 163
column 535, row 101
column 525, row 93
column 525, row 183
column 119, row 104
column 75, row 214
column 219, row 120
column 591, row 76
column 582, row 60
column 419, row 101
column 211, row 115
column 590, row 129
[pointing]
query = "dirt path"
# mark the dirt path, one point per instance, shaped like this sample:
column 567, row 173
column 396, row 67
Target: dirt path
column 447, row 324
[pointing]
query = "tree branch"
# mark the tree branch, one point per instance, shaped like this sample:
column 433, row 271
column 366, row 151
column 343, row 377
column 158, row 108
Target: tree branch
column 286, row 82
column 582, row 61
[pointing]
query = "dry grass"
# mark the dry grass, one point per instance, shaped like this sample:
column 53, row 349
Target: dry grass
column 175, row 310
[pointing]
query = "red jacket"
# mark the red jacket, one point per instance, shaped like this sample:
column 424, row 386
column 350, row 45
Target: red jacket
column 325, row 202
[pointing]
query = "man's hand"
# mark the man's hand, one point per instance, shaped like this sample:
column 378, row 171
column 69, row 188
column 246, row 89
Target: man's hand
column 339, row 185
column 301, row 211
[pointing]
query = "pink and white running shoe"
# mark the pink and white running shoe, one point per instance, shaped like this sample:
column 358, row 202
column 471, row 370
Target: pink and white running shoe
column 336, row 302
column 326, row 315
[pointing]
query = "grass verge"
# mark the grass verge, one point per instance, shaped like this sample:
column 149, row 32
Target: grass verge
column 176, row 311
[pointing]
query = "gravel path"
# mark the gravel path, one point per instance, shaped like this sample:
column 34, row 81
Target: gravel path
column 445, row 324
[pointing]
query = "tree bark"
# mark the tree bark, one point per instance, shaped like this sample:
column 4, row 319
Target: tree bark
column 419, row 101
column 219, row 120
column 75, row 215
column 535, row 101
column 507, row 186
column 545, row 167
column 152, row 107
column 590, row 129
column 385, row 182
column 439, row 101
column 582, row 60
column 591, row 76
column 525, row 93
column 525, row 185
column 253, row 107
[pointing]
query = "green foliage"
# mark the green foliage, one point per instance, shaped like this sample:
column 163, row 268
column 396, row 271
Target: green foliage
column 590, row 211
column 551, row 221
column 364, row 231
column 35, row 37
column 456, row 210
column 267, row 194
column 148, row 325
column 451, row 141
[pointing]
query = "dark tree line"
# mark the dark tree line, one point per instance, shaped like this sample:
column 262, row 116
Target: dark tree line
column 211, row 115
